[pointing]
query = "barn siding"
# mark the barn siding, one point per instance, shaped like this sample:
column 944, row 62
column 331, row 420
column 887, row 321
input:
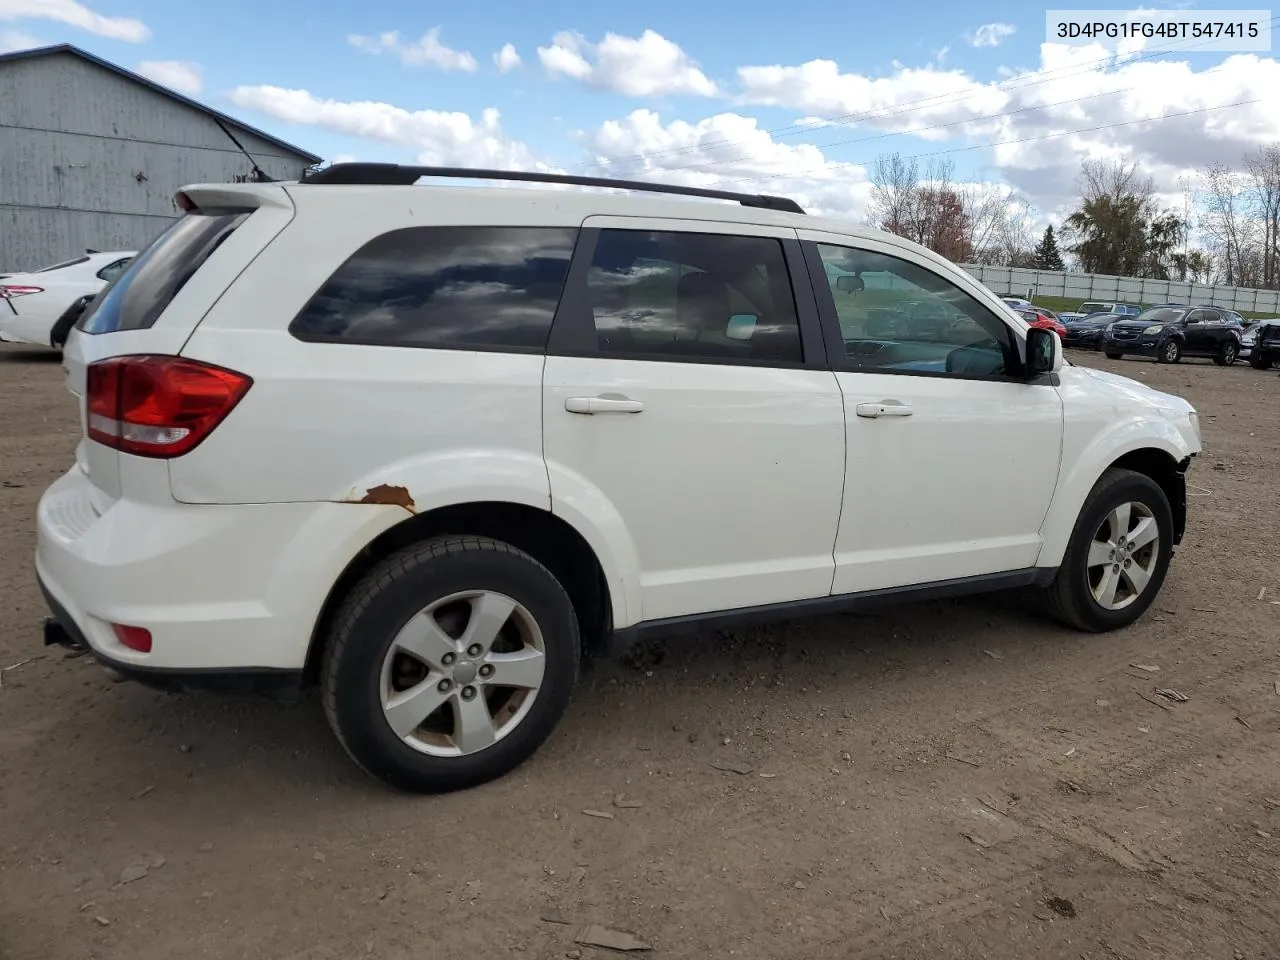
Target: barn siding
column 91, row 159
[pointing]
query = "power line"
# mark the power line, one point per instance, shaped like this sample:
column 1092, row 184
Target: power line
column 1016, row 83
column 1001, row 143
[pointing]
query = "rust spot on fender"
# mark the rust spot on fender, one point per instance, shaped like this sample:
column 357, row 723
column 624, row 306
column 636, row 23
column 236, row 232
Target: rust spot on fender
column 388, row 495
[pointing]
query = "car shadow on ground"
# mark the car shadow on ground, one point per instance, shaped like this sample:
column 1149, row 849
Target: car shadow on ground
column 21, row 354
column 701, row 685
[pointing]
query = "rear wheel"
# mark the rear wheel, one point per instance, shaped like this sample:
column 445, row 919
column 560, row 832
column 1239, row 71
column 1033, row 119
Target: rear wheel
column 450, row 664
column 1118, row 555
column 1227, row 355
column 1170, row 352
column 1115, row 356
column 1259, row 362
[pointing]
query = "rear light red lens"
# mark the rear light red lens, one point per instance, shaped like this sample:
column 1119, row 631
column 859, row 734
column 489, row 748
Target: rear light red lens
column 135, row 638
column 158, row 406
column 15, row 290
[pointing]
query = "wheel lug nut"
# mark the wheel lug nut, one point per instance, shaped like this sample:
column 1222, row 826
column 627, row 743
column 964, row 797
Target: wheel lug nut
column 468, row 693
column 448, row 659
column 474, row 650
column 445, row 686
column 486, row 670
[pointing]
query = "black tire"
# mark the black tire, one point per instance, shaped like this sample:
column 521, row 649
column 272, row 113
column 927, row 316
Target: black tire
column 1115, row 356
column 1069, row 598
column 395, row 591
column 1260, row 363
column 1170, row 352
column 1227, row 355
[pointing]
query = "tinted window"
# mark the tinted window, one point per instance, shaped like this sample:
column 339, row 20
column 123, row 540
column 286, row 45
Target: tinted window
column 137, row 297
column 462, row 287
column 693, row 296
column 113, row 270
column 897, row 316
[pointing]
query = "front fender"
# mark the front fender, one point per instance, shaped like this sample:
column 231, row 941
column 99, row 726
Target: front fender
column 1089, row 459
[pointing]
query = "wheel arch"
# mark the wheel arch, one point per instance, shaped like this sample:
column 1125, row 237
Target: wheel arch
column 549, row 539
column 1162, row 458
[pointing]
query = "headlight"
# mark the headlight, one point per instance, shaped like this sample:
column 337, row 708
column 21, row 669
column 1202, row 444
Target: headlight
column 1195, row 425
column 1153, row 329
column 1107, row 329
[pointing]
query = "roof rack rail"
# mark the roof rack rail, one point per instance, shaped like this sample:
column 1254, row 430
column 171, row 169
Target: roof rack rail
column 394, row 174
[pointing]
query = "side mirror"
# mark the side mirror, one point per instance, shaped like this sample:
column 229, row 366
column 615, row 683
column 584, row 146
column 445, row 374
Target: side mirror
column 1044, row 352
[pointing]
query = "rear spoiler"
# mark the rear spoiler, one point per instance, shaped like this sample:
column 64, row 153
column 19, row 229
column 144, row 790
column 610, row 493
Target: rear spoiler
column 206, row 196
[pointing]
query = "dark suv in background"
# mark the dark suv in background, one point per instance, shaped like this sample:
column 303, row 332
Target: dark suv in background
column 1170, row 333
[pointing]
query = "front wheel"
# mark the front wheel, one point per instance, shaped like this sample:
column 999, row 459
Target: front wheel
column 1171, row 352
column 1118, row 555
column 1227, row 355
column 450, row 663
column 1259, row 362
column 1115, row 356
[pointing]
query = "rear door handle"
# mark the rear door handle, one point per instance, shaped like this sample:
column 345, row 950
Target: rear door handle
column 885, row 408
column 592, row 405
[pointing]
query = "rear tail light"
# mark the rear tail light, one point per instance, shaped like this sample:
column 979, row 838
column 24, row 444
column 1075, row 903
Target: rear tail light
column 135, row 638
column 158, row 406
column 9, row 290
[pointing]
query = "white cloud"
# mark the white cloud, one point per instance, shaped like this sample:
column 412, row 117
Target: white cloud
column 181, row 75
column 12, row 40
column 506, row 59
column 645, row 66
column 427, row 49
column 819, row 88
column 75, row 14
column 992, row 34
column 439, row 137
column 720, row 149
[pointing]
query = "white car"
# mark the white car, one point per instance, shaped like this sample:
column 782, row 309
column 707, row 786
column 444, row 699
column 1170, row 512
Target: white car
column 426, row 448
column 31, row 304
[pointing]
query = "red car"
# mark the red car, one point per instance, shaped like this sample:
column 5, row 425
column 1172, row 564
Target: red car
column 1040, row 317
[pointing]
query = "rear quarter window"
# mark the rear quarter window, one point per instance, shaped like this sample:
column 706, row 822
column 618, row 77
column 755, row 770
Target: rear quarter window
column 136, row 297
column 467, row 288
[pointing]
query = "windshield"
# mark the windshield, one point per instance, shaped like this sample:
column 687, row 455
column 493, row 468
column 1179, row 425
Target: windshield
column 63, row 265
column 1160, row 315
column 1088, row 308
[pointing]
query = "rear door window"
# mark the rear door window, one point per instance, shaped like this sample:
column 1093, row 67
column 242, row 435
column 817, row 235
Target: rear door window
column 462, row 288
column 137, row 297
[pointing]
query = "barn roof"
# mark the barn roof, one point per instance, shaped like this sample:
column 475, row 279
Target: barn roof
column 158, row 88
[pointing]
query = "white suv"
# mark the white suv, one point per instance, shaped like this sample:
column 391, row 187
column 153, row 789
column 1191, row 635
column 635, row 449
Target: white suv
column 427, row 447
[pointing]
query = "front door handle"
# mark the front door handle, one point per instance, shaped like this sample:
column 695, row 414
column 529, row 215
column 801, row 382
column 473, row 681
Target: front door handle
column 885, row 408
column 592, row 405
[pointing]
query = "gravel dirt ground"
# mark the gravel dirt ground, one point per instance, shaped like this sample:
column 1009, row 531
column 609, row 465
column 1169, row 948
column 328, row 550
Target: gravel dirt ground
column 954, row 779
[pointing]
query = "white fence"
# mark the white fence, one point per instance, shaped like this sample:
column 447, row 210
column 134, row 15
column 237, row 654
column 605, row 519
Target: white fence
column 1013, row 281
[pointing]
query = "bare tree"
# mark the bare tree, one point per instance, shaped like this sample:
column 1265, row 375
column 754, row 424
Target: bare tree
column 1263, row 170
column 1227, row 221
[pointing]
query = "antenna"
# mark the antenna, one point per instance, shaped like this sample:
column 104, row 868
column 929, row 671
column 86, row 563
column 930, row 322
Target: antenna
column 258, row 173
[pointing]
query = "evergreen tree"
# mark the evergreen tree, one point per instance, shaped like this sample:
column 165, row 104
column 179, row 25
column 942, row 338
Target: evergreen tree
column 1047, row 255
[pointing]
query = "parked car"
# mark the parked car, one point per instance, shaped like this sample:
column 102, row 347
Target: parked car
column 1018, row 303
column 1249, row 336
column 1085, row 333
column 1266, row 345
column 1038, row 318
column 31, row 304
column 1169, row 334
column 425, row 454
column 1090, row 307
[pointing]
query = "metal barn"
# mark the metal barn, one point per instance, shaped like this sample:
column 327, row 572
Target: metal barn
column 91, row 155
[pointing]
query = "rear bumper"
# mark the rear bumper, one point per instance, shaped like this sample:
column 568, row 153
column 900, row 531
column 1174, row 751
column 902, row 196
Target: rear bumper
column 281, row 685
column 221, row 589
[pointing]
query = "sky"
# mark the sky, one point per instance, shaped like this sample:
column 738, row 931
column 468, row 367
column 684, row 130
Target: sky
column 748, row 95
